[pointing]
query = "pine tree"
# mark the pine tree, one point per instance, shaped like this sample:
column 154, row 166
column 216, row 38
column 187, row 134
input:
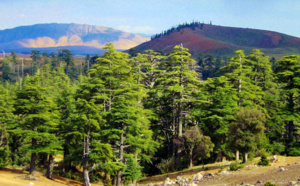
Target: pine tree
column 7, row 120
column 38, row 119
column 263, row 76
column 172, row 96
column 113, row 85
column 216, row 111
column 288, row 73
column 238, row 71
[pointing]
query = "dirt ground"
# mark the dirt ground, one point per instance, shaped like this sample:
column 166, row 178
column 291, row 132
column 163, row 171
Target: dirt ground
column 250, row 174
column 14, row 177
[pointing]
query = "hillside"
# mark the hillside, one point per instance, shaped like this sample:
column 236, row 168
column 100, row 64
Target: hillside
column 250, row 174
column 220, row 40
column 79, row 38
column 282, row 172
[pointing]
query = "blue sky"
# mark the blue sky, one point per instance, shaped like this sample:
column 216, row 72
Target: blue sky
column 154, row 16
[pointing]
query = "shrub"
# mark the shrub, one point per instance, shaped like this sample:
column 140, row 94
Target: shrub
column 270, row 184
column 167, row 165
column 294, row 151
column 263, row 161
column 234, row 166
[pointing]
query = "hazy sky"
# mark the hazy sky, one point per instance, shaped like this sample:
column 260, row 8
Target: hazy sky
column 153, row 16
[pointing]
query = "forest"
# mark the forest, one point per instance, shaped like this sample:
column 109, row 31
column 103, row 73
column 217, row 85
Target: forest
column 118, row 118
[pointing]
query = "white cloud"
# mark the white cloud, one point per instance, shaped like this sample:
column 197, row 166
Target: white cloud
column 137, row 29
column 22, row 15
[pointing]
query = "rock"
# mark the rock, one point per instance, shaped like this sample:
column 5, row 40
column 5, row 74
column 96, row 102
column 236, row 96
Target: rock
column 274, row 159
column 192, row 184
column 291, row 183
column 168, row 182
column 224, row 172
column 208, row 175
column 181, row 180
column 281, row 169
column 197, row 177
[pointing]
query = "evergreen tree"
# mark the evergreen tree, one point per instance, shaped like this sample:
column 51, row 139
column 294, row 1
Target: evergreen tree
column 288, row 73
column 38, row 119
column 36, row 57
column 113, row 87
column 172, row 97
column 45, row 57
column 6, row 122
column 246, row 130
column 66, row 56
column 216, row 111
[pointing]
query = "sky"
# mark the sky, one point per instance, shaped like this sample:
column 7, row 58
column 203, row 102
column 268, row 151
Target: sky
column 154, row 16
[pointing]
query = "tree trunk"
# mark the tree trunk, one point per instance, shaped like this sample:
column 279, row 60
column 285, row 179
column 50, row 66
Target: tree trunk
column 119, row 178
column 246, row 157
column 86, row 171
column 173, row 129
column 85, row 160
column 237, row 155
column 32, row 165
column 179, row 150
column 67, row 164
column 50, row 167
column 191, row 158
column 33, row 159
column 136, row 159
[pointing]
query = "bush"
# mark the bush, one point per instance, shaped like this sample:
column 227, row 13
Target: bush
column 270, row 184
column 263, row 161
column 167, row 165
column 294, row 151
column 234, row 166
column 3, row 158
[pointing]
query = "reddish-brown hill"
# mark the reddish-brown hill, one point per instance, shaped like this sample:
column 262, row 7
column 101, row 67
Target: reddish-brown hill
column 220, row 40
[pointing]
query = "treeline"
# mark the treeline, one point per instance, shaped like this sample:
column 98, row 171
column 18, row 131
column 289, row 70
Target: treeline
column 128, row 117
column 13, row 67
column 193, row 25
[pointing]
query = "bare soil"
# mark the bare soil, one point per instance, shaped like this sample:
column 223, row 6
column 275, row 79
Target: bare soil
column 15, row 177
column 250, row 174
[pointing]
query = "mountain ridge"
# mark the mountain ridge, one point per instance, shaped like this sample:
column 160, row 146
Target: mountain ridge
column 222, row 40
column 51, row 35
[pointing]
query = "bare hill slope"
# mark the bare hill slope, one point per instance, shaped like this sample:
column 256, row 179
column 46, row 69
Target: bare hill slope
column 220, row 40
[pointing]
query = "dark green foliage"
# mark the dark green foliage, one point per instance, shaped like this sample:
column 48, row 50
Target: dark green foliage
column 133, row 170
column 167, row 165
column 38, row 119
column 192, row 25
column 234, row 166
column 294, row 151
column 268, row 183
column 219, row 109
column 245, row 131
column 197, row 145
column 264, row 161
column 288, row 74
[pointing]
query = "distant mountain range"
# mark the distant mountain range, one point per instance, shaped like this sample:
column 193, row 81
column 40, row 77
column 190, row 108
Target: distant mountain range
column 198, row 37
column 220, row 40
column 80, row 39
